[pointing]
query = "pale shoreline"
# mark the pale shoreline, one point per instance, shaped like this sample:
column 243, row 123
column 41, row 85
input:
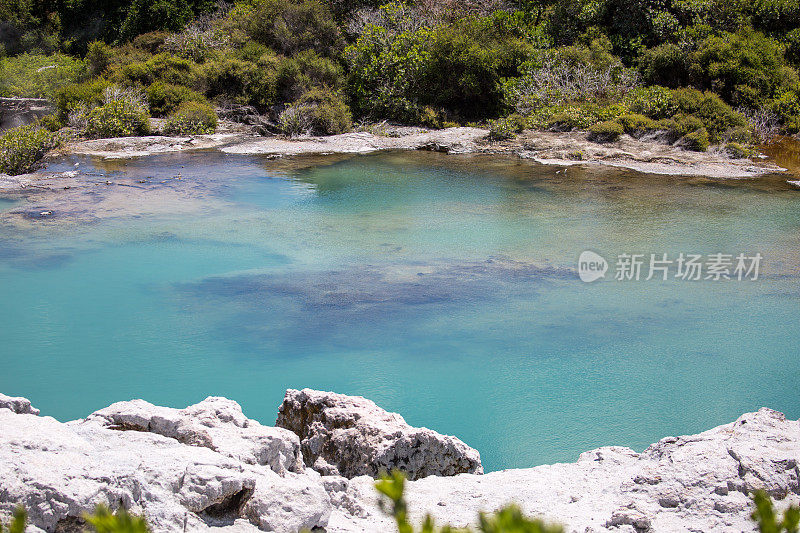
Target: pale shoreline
column 209, row 468
column 551, row 148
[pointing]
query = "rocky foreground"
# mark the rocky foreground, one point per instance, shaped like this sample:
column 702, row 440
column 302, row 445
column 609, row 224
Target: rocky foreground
column 210, row 467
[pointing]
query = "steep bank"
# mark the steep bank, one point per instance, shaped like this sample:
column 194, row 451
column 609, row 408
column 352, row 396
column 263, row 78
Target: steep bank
column 208, row 467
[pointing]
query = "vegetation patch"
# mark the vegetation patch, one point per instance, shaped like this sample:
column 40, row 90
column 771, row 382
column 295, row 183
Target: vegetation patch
column 22, row 148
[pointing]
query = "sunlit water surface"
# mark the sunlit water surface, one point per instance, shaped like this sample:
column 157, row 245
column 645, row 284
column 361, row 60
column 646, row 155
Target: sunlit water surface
column 442, row 287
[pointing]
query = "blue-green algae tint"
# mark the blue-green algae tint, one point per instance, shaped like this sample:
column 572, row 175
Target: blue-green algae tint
column 442, row 287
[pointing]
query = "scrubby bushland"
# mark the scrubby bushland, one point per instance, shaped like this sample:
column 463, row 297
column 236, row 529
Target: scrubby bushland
column 397, row 66
column 320, row 112
column 290, row 26
column 605, row 132
column 727, row 66
column 123, row 113
column 22, row 148
column 164, row 98
column 36, row 75
column 192, row 118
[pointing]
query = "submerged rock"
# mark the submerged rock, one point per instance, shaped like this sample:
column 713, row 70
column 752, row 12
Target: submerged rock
column 205, row 467
column 351, row 436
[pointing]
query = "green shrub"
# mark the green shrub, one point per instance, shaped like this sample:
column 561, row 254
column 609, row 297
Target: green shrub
column 509, row 519
column 243, row 82
column 737, row 151
column 98, row 56
column 38, row 76
column 104, row 521
column 717, row 116
column 667, row 65
column 87, row 94
column 22, row 148
column 696, row 141
column 654, row 102
column 164, row 98
column 679, row 125
column 605, row 132
column 745, row 68
column 290, row 26
column 50, row 122
column 507, row 128
column 305, row 71
column 320, row 112
column 151, row 42
column 767, row 519
column 123, row 114
column 192, row 118
column 18, row 521
column 160, row 67
column 637, row 125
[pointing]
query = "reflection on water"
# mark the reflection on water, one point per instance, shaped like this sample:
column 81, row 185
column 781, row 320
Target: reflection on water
column 442, row 287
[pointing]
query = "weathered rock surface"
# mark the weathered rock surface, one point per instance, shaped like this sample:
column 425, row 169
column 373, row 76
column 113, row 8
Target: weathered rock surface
column 21, row 406
column 216, row 423
column 198, row 468
column 351, row 436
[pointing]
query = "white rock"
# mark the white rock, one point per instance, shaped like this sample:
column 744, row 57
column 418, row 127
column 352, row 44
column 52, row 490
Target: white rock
column 216, row 423
column 351, row 436
column 692, row 483
column 59, row 471
column 197, row 469
column 21, row 406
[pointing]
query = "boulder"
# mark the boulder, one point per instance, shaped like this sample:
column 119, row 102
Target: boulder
column 60, row 471
column 21, row 406
column 351, row 436
column 216, row 423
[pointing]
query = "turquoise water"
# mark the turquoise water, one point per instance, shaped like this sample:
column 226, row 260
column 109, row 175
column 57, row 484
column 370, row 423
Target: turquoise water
column 442, row 287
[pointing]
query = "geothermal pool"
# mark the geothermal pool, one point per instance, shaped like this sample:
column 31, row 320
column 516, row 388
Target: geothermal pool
column 444, row 288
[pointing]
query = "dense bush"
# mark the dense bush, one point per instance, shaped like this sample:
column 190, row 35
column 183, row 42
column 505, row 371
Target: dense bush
column 98, row 56
column 81, row 95
column 696, row 141
column 241, row 81
column 163, row 67
column 123, row 113
column 604, row 132
column 636, row 125
column 654, row 102
column 36, row 75
column 164, row 98
column 305, row 71
column 507, row 127
column 22, row 148
column 745, row 68
column 290, row 26
column 320, row 111
column 192, row 118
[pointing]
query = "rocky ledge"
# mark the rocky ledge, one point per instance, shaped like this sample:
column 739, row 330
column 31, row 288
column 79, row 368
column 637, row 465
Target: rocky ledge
column 210, row 467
